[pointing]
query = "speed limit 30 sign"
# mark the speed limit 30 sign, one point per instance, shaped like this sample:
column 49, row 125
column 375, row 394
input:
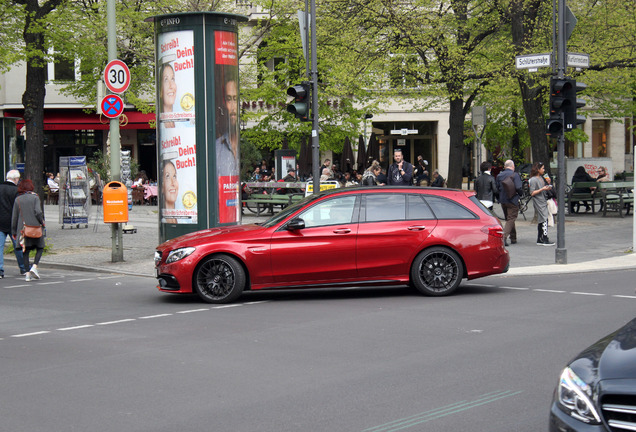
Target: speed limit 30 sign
column 117, row 76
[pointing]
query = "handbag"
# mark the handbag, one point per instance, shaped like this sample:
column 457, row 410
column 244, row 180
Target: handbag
column 31, row 231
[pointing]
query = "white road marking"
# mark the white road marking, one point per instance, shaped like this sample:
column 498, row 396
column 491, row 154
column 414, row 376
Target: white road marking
column 515, row 288
column 155, row 316
column 30, row 334
column 193, row 310
column 227, row 306
column 549, row 291
column 77, row 327
column 587, row 293
column 116, row 322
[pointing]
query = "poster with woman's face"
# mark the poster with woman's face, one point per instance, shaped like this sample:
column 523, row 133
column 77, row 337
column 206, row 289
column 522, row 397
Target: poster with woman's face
column 175, row 125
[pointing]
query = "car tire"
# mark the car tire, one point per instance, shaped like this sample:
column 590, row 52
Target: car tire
column 437, row 271
column 219, row 279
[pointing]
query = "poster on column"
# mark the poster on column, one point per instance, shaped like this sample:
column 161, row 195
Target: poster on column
column 227, row 125
column 176, row 121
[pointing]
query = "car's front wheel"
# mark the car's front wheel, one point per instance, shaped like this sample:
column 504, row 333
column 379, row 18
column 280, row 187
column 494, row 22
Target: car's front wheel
column 219, row 279
column 437, row 271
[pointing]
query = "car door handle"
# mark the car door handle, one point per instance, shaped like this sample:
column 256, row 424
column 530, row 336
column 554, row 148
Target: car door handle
column 342, row 231
column 416, row 228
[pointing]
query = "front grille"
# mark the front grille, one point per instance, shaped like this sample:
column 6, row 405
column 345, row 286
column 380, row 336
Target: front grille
column 619, row 411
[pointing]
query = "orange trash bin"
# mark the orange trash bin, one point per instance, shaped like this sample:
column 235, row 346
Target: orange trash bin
column 115, row 203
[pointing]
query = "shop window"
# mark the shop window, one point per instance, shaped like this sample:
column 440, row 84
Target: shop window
column 600, row 138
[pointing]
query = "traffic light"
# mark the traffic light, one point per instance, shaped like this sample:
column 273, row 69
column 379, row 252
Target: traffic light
column 300, row 106
column 571, row 117
column 560, row 100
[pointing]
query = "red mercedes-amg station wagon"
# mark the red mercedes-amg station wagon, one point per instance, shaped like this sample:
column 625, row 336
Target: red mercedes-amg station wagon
column 429, row 238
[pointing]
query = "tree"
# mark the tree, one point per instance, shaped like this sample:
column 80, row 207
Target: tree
column 35, row 32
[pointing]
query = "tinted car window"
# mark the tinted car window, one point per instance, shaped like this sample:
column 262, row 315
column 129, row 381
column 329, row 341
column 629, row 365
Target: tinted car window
column 385, row 207
column 330, row 212
column 447, row 209
column 417, row 208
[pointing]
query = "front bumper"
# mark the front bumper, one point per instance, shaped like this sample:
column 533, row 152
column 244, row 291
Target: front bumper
column 561, row 422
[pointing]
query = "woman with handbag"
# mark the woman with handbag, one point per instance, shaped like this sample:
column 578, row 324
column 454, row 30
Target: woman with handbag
column 538, row 191
column 27, row 225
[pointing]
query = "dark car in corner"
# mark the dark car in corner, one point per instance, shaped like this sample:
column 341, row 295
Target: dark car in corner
column 597, row 390
column 430, row 238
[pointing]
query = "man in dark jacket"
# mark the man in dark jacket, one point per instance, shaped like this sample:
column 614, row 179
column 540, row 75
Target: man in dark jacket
column 486, row 186
column 8, row 192
column 509, row 199
column 401, row 172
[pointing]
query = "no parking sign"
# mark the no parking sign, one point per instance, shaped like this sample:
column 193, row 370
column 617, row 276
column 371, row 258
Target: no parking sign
column 112, row 106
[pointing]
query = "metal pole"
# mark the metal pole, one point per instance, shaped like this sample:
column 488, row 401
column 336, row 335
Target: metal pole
column 116, row 230
column 306, row 30
column 561, row 253
column 315, row 144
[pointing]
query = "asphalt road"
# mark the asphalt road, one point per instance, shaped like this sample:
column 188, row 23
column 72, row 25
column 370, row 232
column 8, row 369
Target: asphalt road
column 94, row 352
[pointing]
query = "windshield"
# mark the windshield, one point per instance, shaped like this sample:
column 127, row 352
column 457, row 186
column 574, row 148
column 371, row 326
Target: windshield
column 289, row 210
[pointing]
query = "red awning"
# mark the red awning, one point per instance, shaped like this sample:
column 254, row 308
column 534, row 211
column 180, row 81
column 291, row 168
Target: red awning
column 75, row 119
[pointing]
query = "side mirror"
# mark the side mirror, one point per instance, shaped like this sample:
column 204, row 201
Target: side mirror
column 296, row 224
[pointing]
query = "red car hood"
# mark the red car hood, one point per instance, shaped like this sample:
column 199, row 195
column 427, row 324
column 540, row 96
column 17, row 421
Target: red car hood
column 236, row 232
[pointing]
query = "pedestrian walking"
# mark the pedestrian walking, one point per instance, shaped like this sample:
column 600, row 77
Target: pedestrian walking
column 370, row 177
column 8, row 193
column 486, row 186
column 27, row 212
column 538, row 191
column 510, row 190
column 401, row 172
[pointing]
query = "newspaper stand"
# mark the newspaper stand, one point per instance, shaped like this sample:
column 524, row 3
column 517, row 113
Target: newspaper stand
column 75, row 197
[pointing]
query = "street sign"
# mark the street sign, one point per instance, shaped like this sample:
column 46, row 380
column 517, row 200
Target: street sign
column 117, row 76
column 112, row 106
column 578, row 60
column 479, row 116
column 533, row 61
column 404, row 132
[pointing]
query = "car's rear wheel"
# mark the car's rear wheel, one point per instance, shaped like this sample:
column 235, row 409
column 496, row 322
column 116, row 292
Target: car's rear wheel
column 437, row 271
column 219, row 279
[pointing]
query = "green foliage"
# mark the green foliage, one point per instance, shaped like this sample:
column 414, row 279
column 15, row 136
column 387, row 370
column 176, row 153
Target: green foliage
column 250, row 158
column 100, row 164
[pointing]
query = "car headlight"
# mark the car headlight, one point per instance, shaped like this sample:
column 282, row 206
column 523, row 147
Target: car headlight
column 575, row 398
column 179, row 254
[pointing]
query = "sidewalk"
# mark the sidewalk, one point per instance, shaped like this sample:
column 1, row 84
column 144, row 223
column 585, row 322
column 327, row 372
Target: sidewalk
column 592, row 243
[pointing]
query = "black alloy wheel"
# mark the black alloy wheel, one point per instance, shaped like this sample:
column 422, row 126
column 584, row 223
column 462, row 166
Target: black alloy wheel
column 219, row 279
column 437, row 271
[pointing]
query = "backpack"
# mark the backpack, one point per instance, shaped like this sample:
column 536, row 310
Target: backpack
column 509, row 187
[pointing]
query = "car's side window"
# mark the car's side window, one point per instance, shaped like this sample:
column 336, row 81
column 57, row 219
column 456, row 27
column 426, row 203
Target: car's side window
column 385, row 207
column 333, row 211
column 417, row 208
column 447, row 209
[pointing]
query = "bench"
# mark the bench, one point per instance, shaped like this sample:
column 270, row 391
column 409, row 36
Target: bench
column 575, row 195
column 616, row 196
column 268, row 201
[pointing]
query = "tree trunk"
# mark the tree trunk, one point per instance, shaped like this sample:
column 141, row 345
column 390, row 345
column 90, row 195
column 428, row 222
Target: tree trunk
column 33, row 100
column 523, row 17
column 533, row 108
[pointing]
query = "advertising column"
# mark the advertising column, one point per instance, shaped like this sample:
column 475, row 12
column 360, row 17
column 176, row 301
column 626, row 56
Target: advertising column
column 197, row 109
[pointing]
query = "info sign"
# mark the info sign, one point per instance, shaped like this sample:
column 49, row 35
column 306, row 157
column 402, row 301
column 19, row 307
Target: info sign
column 117, row 76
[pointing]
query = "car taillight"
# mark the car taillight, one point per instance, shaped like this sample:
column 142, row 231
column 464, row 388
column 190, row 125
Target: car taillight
column 495, row 231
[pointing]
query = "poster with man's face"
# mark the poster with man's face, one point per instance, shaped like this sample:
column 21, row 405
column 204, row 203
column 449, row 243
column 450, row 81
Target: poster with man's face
column 176, row 127
column 227, row 125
